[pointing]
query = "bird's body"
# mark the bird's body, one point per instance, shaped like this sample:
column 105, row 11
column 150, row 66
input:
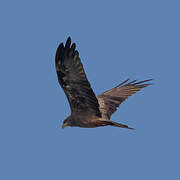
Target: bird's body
column 87, row 110
column 85, row 120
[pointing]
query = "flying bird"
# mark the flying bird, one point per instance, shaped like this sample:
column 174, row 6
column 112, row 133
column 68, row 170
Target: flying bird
column 87, row 109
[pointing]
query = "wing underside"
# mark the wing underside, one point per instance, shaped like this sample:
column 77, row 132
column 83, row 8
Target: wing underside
column 110, row 100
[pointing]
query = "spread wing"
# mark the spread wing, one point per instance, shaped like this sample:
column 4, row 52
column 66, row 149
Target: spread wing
column 73, row 80
column 111, row 99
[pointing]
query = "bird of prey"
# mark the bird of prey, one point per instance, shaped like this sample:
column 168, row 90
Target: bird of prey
column 87, row 109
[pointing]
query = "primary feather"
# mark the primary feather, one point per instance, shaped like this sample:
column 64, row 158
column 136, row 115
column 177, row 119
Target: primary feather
column 73, row 80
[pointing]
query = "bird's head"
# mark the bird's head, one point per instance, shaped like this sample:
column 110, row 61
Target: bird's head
column 66, row 122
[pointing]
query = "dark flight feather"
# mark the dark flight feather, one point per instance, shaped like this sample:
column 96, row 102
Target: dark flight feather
column 73, row 80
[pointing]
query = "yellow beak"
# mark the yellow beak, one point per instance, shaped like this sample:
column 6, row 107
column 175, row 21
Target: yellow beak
column 63, row 126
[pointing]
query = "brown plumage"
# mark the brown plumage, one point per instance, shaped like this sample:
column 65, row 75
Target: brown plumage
column 87, row 110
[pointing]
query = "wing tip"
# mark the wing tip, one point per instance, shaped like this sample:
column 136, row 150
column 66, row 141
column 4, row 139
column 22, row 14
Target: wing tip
column 69, row 38
column 135, row 82
column 122, row 83
column 59, row 51
column 68, row 43
column 131, row 128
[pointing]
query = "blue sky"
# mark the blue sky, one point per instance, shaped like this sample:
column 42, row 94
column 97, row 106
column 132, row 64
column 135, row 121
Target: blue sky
column 117, row 40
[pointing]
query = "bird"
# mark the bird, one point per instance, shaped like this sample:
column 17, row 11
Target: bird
column 87, row 109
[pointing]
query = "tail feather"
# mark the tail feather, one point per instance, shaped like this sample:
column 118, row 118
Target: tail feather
column 120, row 125
column 112, row 123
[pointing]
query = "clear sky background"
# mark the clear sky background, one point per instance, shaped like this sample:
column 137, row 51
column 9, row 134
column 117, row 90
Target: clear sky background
column 117, row 40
